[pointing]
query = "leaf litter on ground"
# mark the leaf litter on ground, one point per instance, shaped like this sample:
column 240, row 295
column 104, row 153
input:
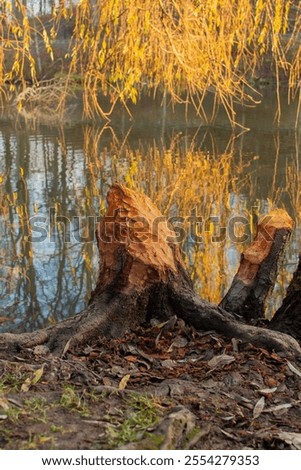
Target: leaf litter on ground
column 233, row 390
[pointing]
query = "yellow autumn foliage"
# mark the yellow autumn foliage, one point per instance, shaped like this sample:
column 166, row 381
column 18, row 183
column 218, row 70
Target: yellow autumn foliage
column 122, row 48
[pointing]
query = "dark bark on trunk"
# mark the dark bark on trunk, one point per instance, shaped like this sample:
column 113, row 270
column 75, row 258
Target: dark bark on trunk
column 141, row 276
column 288, row 317
column 258, row 268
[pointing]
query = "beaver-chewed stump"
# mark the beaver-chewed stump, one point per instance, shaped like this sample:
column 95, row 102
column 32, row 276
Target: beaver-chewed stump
column 258, row 267
column 142, row 277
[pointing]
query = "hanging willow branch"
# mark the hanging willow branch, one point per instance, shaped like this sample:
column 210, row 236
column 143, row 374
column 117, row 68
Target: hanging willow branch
column 122, row 48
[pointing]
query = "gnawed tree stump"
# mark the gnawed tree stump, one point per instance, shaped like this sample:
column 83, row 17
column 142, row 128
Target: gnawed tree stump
column 288, row 316
column 141, row 276
column 258, row 267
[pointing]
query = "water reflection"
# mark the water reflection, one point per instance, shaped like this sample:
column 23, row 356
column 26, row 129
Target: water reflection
column 189, row 171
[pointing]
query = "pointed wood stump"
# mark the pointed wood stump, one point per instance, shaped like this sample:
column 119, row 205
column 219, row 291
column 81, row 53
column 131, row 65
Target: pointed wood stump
column 258, row 268
column 141, row 276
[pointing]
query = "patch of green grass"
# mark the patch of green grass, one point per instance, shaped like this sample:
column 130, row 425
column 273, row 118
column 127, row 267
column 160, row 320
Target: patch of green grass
column 54, row 428
column 36, row 403
column 36, row 441
column 13, row 413
column 143, row 414
column 94, row 396
column 74, row 401
column 36, row 408
column 12, row 381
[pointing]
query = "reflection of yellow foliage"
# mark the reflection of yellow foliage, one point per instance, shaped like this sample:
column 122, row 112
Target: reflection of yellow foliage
column 3, row 203
column 293, row 186
column 180, row 178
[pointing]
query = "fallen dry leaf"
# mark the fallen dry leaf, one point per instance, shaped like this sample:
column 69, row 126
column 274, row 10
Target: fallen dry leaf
column 220, row 361
column 283, row 406
column 267, row 391
column 37, row 375
column 293, row 369
column 258, row 408
column 66, row 347
column 123, row 382
column 33, row 380
column 26, row 385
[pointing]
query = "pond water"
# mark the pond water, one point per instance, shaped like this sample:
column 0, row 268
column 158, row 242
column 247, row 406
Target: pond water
column 54, row 179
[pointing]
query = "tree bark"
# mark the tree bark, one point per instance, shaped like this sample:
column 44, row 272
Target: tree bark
column 141, row 276
column 288, row 317
column 258, row 268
